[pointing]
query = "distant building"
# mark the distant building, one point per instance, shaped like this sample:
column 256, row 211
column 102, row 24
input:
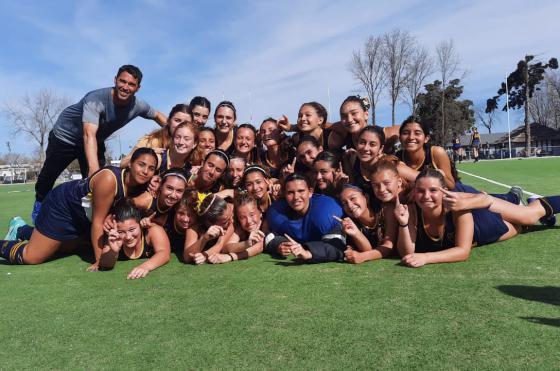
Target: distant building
column 545, row 141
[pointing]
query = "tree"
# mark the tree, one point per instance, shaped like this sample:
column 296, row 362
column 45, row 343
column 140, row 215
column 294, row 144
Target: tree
column 447, row 61
column 398, row 46
column 459, row 113
column 545, row 105
column 521, row 85
column 486, row 119
column 366, row 66
column 35, row 116
column 421, row 66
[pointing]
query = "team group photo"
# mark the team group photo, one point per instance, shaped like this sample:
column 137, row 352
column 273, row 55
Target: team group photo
column 271, row 214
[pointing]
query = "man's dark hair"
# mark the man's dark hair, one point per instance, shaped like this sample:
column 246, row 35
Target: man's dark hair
column 133, row 70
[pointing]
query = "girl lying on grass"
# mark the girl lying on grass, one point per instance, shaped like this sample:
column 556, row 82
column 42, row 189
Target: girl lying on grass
column 248, row 237
column 127, row 240
column 429, row 233
column 213, row 229
column 75, row 208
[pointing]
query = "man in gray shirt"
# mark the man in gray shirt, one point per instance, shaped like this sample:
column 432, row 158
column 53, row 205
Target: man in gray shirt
column 81, row 129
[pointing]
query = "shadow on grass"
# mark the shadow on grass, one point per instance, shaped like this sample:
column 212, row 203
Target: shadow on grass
column 543, row 321
column 290, row 263
column 545, row 294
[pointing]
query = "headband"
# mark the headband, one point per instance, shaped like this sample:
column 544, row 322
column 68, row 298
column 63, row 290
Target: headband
column 257, row 168
column 220, row 153
column 178, row 175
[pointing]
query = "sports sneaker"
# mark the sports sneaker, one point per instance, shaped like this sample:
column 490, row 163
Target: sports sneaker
column 518, row 192
column 14, row 225
column 548, row 221
column 36, row 209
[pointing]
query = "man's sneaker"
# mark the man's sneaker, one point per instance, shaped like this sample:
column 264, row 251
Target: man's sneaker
column 518, row 192
column 14, row 225
column 36, row 209
column 549, row 221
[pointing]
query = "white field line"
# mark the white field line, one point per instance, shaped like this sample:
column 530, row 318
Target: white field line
column 497, row 183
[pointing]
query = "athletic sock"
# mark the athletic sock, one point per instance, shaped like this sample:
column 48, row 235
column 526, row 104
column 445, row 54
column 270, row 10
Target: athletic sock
column 24, row 232
column 12, row 251
column 551, row 204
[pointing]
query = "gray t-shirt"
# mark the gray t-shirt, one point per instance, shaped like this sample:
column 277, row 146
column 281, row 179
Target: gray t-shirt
column 97, row 107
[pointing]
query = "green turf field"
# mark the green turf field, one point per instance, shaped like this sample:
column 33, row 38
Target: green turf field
column 499, row 310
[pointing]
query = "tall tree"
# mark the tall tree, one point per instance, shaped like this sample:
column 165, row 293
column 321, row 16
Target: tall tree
column 421, row 66
column 447, row 61
column 459, row 113
column 35, row 116
column 521, row 85
column 398, row 46
column 366, row 66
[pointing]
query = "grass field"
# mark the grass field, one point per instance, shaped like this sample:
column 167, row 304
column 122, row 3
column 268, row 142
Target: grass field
column 499, row 310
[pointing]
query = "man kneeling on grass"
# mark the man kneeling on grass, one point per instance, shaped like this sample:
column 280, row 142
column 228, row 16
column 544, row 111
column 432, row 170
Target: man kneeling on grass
column 303, row 225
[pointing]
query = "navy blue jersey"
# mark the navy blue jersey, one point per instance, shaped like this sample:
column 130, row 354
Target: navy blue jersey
column 313, row 226
column 488, row 228
column 166, row 163
column 428, row 159
column 175, row 233
column 146, row 250
column 66, row 211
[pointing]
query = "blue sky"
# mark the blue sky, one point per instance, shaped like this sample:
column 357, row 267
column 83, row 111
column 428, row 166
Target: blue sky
column 267, row 57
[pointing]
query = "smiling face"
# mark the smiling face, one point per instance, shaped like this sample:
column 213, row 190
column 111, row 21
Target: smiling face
column 386, row 185
column 200, row 115
column 270, row 134
column 297, row 195
column 427, row 193
column 413, row 138
column 206, row 141
column 129, row 231
column 224, row 119
column 244, row 140
column 354, row 202
column 235, row 170
column 126, row 86
column 142, row 169
column 308, row 119
column 369, row 147
column 213, row 168
column 249, row 217
column 183, row 140
column 185, row 217
column 353, row 117
column 324, row 174
column 177, row 119
column 171, row 190
column 256, row 184
column 306, row 153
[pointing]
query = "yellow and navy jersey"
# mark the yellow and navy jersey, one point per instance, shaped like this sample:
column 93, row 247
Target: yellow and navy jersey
column 143, row 251
column 428, row 159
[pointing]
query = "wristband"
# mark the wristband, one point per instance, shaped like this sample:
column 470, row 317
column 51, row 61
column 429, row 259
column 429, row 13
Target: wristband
column 403, row 225
column 231, row 256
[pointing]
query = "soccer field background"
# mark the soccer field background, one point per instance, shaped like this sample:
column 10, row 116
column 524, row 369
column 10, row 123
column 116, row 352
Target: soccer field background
column 498, row 310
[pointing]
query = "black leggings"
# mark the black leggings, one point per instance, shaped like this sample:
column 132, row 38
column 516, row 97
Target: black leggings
column 59, row 155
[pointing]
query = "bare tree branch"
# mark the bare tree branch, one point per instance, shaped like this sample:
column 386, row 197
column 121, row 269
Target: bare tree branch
column 447, row 61
column 398, row 47
column 34, row 116
column 366, row 66
column 421, row 66
column 485, row 119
